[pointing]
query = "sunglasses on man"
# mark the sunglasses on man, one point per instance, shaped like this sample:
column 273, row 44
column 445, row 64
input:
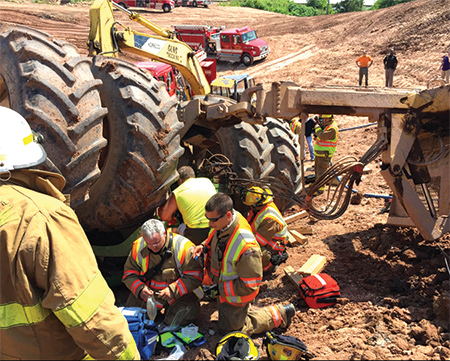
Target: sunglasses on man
column 215, row 219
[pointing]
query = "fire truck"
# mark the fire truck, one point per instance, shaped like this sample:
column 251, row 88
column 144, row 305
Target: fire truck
column 164, row 5
column 234, row 45
column 193, row 3
column 162, row 72
column 175, row 83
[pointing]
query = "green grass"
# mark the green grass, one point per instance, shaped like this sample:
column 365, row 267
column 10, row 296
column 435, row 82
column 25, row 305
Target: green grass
column 285, row 7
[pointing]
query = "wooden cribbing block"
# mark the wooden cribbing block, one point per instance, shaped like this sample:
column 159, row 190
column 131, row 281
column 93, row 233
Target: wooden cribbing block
column 313, row 265
column 303, row 229
column 296, row 216
column 293, row 276
column 295, row 238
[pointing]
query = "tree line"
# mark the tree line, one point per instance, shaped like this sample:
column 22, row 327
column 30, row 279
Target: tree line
column 312, row 7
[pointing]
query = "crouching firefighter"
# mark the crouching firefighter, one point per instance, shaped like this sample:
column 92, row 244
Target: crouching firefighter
column 233, row 262
column 161, row 264
column 268, row 226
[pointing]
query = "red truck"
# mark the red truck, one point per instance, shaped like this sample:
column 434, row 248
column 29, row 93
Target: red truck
column 164, row 5
column 235, row 45
column 193, row 3
column 171, row 76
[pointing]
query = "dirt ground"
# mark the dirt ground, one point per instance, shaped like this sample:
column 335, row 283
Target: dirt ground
column 394, row 285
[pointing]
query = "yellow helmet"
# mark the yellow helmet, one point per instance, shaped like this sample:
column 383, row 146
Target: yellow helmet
column 237, row 346
column 326, row 116
column 257, row 196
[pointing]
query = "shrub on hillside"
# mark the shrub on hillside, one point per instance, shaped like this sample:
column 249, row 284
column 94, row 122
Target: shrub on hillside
column 285, row 7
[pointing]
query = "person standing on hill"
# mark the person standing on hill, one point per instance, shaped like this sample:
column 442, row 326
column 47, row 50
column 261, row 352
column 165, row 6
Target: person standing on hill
column 445, row 68
column 390, row 64
column 190, row 198
column 364, row 62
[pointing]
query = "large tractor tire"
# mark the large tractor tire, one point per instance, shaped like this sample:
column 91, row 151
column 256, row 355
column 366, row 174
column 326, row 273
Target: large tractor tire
column 286, row 157
column 140, row 162
column 248, row 149
column 52, row 87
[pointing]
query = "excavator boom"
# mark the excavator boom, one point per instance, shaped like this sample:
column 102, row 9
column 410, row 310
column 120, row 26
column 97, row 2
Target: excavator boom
column 106, row 39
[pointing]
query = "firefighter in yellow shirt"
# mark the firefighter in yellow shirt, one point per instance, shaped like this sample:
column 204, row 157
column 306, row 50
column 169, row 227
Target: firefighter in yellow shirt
column 190, row 198
column 54, row 302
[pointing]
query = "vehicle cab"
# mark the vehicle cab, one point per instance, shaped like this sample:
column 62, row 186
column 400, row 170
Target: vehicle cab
column 232, row 86
column 162, row 72
column 242, row 45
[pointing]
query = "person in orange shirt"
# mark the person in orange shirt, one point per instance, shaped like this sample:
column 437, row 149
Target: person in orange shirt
column 364, row 62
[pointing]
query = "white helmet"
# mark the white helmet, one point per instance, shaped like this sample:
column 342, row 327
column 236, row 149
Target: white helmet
column 18, row 144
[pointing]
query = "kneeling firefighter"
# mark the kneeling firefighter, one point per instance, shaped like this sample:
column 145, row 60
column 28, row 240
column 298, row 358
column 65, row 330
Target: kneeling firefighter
column 268, row 226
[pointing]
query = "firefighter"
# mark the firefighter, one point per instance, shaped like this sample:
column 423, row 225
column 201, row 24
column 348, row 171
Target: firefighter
column 54, row 302
column 268, row 226
column 326, row 132
column 233, row 262
column 190, row 198
column 161, row 263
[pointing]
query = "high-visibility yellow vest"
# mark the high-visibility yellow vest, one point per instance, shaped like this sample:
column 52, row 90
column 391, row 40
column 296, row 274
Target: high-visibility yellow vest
column 240, row 241
column 270, row 210
column 180, row 246
column 327, row 145
column 295, row 123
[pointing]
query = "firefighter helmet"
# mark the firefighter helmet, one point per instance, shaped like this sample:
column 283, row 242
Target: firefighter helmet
column 237, row 346
column 19, row 146
column 257, row 196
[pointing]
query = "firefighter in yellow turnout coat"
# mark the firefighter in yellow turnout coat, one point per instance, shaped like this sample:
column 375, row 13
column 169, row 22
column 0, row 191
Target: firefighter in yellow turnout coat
column 54, row 302
column 268, row 226
column 162, row 262
column 233, row 260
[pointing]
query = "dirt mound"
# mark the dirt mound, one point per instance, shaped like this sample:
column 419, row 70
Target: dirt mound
column 395, row 285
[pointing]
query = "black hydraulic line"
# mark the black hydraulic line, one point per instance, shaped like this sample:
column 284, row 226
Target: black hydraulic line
column 357, row 127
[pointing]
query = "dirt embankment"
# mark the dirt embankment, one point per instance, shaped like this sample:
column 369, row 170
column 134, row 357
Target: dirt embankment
column 395, row 284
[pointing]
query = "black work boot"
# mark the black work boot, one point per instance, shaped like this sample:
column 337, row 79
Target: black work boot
column 290, row 312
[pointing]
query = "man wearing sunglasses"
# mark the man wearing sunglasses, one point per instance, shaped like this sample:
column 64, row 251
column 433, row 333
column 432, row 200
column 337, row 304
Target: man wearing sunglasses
column 233, row 262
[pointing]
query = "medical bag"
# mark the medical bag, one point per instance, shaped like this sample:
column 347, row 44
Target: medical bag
column 144, row 331
column 319, row 290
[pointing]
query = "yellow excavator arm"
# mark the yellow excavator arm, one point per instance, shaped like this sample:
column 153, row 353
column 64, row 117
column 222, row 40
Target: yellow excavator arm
column 106, row 39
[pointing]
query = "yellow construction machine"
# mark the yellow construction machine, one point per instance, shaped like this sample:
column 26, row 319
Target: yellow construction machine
column 118, row 138
column 413, row 141
column 109, row 37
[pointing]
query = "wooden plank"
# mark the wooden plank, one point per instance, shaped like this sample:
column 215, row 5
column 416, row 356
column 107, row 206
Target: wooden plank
column 300, row 238
column 292, row 242
column 303, row 229
column 313, row 265
column 296, row 216
column 293, row 276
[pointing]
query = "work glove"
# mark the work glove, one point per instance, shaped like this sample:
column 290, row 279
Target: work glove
column 279, row 258
column 211, row 292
